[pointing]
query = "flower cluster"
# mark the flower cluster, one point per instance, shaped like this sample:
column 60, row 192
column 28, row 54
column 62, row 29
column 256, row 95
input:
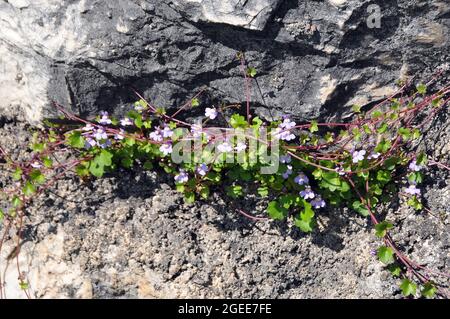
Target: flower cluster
column 283, row 131
column 412, row 187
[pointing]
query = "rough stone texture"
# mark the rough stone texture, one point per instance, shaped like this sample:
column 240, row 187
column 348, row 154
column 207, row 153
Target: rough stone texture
column 130, row 235
column 314, row 58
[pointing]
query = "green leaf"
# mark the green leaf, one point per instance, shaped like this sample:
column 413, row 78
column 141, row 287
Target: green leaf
column 237, row 121
column 251, row 72
column 81, row 170
column 38, row 147
column 286, row 200
column 385, row 255
column 23, row 285
column 360, row 208
column 408, row 287
column 37, row 177
column 98, row 164
column 383, row 146
column 17, row 175
column 383, row 128
column 429, row 290
column 48, row 162
column 276, row 211
column 195, row 102
column 263, row 191
column 356, row 108
column 383, row 176
column 382, row 228
column 305, row 221
column 405, row 133
column 204, row 192
column 2, row 215
column 16, row 201
column 234, row 191
column 314, row 127
column 395, row 270
column 189, row 197
column 415, row 203
column 421, row 88
column 29, row 189
column 76, row 140
column 421, row 159
column 148, row 165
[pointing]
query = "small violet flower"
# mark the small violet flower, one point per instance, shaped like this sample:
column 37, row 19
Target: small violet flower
column 414, row 167
column 120, row 135
column 412, row 189
column 182, row 177
column 100, row 134
column 225, row 147
column 166, row 149
column 106, row 144
column 358, row 156
column 373, row 155
column 167, row 132
column 211, row 113
column 36, row 164
column 90, row 142
column 307, row 193
column 301, row 179
column 285, row 159
column 318, row 202
column 156, row 136
column 88, row 127
column 126, row 121
column 240, row 147
column 104, row 119
column 288, row 172
column 202, row 169
column 340, row 171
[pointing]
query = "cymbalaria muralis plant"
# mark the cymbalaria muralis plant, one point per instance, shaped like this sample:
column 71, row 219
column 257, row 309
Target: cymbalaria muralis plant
column 300, row 168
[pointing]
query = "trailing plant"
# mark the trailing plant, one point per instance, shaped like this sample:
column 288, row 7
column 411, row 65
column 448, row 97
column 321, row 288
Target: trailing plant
column 298, row 168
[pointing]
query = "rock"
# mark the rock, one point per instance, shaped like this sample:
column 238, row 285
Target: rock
column 250, row 14
column 91, row 55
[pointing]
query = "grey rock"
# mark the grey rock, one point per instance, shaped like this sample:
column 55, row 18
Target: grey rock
column 314, row 58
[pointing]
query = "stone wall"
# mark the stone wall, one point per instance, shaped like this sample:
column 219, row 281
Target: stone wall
column 314, row 58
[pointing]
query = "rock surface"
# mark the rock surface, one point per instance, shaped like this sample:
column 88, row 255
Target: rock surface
column 314, row 58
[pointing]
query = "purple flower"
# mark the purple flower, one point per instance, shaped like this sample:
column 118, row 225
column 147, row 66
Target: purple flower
column 182, row 177
column 104, row 119
column 36, row 164
column 318, row 202
column 240, row 147
column 138, row 107
column 120, row 135
column 126, row 121
column 307, row 193
column 283, row 134
column 414, row 167
column 301, row 179
column 285, row 159
column 156, row 136
column 358, row 156
column 412, row 189
column 288, row 172
column 225, row 147
column 373, row 155
column 211, row 113
column 202, row 169
column 196, row 130
column 90, row 142
column 88, row 127
column 100, row 134
column 166, row 149
column 287, row 124
column 106, row 144
column 167, row 132
column 340, row 171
